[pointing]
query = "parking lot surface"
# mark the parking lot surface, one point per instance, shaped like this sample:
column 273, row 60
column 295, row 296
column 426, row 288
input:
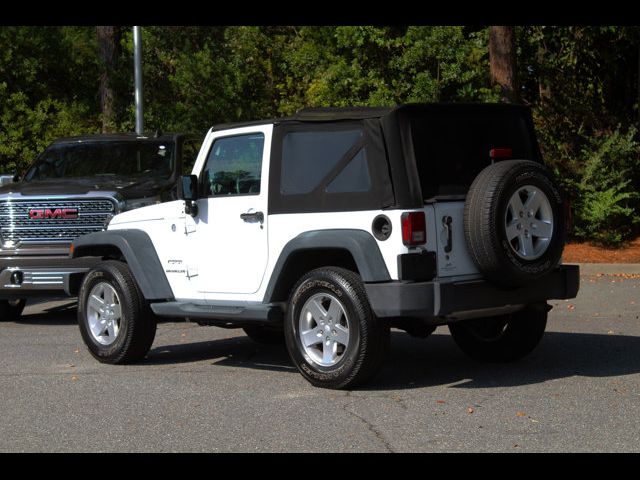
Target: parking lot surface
column 210, row 389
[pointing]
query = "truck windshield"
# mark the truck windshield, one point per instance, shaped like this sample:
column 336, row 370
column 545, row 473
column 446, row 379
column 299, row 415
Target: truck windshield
column 149, row 158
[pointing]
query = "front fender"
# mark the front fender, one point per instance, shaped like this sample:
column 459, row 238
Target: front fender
column 138, row 251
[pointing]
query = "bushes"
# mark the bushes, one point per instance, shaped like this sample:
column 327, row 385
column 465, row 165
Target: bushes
column 604, row 189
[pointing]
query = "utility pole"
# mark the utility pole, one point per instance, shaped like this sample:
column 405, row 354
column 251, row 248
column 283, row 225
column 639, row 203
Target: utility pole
column 137, row 69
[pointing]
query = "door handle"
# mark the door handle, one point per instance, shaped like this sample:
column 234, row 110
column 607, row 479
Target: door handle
column 252, row 217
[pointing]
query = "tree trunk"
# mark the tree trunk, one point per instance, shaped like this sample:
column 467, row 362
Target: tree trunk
column 109, row 48
column 503, row 63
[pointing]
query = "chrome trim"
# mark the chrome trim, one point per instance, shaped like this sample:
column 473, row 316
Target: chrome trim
column 95, row 211
column 37, row 278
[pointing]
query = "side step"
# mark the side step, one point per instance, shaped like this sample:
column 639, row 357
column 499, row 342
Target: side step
column 222, row 315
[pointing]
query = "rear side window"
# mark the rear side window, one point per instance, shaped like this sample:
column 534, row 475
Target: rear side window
column 333, row 159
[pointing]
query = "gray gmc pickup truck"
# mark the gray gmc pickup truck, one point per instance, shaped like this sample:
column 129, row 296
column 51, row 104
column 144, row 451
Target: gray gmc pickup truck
column 73, row 188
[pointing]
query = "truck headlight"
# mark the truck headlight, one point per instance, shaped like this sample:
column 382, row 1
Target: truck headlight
column 134, row 203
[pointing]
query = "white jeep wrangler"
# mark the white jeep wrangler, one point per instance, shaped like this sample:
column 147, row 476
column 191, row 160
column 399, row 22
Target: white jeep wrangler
column 325, row 229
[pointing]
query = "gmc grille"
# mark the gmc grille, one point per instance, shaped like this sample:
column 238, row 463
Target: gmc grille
column 16, row 226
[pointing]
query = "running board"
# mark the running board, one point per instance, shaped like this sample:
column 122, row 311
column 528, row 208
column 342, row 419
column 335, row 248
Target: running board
column 244, row 313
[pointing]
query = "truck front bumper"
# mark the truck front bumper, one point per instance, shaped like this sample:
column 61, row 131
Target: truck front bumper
column 39, row 276
column 441, row 302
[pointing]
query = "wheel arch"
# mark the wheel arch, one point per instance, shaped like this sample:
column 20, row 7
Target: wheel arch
column 135, row 248
column 355, row 250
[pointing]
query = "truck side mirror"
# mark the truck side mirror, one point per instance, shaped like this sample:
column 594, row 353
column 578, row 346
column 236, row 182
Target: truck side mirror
column 188, row 191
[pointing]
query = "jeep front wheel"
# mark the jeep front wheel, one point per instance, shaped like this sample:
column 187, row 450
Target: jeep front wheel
column 115, row 321
column 503, row 338
column 332, row 336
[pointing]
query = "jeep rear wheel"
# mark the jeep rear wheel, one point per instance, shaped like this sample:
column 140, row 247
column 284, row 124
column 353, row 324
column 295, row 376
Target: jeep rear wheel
column 332, row 336
column 10, row 310
column 115, row 321
column 503, row 338
column 514, row 222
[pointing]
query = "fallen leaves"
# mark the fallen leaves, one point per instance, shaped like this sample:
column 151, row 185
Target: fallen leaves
column 521, row 414
column 571, row 307
column 74, row 378
column 470, row 410
column 440, row 402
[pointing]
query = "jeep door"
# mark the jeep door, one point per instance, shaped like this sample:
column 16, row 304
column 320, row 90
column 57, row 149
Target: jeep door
column 231, row 224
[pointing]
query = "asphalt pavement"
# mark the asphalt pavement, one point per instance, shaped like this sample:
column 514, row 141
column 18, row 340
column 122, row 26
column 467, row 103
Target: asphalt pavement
column 214, row 390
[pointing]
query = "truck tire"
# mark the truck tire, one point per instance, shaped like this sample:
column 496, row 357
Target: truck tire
column 115, row 321
column 514, row 222
column 331, row 333
column 501, row 339
column 10, row 310
column 265, row 335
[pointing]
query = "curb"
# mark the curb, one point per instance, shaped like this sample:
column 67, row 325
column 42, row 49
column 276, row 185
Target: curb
column 608, row 268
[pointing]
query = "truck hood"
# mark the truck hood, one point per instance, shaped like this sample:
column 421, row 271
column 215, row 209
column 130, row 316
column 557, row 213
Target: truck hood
column 124, row 187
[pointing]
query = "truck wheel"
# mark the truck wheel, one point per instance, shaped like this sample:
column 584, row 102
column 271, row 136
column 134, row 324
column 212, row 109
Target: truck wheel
column 10, row 310
column 264, row 335
column 501, row 339
column 115, row 321
column 514, row 222
column 332, row 336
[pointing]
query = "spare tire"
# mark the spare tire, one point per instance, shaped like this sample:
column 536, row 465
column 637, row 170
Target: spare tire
column 514, row 222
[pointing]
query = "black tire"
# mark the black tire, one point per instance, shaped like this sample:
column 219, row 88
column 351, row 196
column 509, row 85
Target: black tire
column 368, row 340
column 501, row 339
column 137, row 323
column 10, row 310
column 265, row 335
column 485, row 216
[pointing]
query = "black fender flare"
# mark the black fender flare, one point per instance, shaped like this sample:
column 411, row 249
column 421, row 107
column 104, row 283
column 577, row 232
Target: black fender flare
column 362, row 246
column 138, row 251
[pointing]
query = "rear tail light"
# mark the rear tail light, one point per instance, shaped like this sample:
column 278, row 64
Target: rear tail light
column 414, row 228
column 501, row 153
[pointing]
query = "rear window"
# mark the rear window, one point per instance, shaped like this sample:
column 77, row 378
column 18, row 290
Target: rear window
column 452, row 147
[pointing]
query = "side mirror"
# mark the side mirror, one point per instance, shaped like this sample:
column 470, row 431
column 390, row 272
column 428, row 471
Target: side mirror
column 188, row 191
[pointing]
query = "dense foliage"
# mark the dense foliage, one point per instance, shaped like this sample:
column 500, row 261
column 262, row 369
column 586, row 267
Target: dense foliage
column 582, row 83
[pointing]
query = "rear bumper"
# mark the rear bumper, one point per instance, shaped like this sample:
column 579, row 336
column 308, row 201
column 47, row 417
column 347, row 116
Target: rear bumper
column 443, row 301
column 33, row 277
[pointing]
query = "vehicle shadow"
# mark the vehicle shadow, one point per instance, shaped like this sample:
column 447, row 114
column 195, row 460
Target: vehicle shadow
column 235, row 352
column 437, row 361
column 65, row 314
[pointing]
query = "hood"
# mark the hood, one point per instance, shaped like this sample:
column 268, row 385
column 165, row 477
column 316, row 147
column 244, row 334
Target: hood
column 124, row 187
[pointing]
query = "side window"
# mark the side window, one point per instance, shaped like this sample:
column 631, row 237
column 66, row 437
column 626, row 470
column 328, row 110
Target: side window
column 190, row 149
column 353, row 178
column 234, row 166
column 312, row 158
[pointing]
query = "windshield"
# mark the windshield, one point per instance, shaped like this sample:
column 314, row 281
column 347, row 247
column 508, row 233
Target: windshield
column 152, row 158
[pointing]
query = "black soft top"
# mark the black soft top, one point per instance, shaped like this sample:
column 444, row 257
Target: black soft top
column 337, row 114
column 415, row 152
